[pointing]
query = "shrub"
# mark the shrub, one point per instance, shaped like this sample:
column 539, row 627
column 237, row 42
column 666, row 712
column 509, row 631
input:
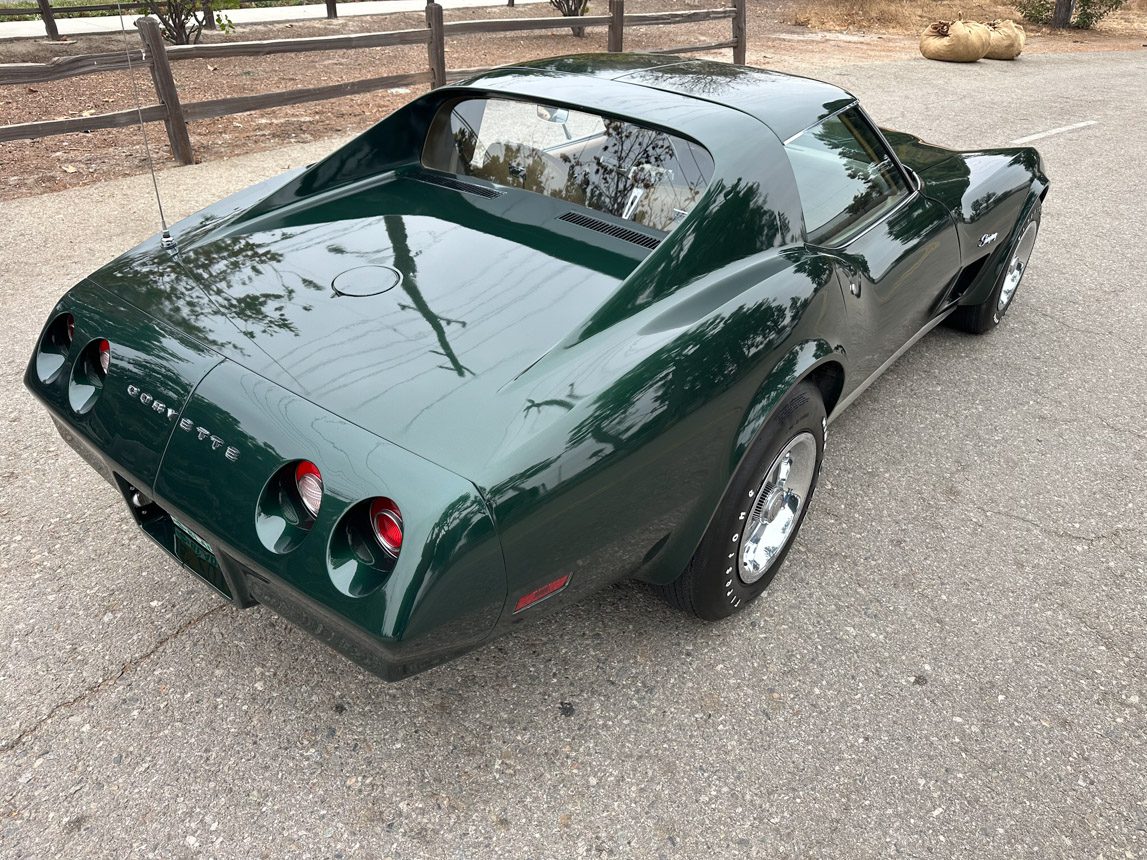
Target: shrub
column 1036, row 11
column 1088, row 13
column 182, row 21
column 1085, row 15
column 572, row 9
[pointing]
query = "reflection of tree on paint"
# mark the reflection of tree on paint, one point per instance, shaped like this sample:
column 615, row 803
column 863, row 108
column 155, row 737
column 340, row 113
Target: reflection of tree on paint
column 522, row 489
column 1028, row 158
column 683, row 375
column 568, row 402
column 738, row 223
column 981, row 205
column 404, row 262
column 814, row 266
column 709, row 79
column 239, row 278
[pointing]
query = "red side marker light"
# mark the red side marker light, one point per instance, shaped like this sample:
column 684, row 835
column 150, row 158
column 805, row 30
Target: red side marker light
column 539, row 594
column 105, row 353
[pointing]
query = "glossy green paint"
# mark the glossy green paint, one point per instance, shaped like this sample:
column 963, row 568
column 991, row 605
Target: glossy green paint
column 539, row 399
column 142, row 349
column 985, row 191
column 451, row 559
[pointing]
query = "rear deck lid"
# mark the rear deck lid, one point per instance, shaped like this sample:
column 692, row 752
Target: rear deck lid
column 401, row 306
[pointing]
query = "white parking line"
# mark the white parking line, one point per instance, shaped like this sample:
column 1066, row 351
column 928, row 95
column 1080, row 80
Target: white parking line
column 1059, row 130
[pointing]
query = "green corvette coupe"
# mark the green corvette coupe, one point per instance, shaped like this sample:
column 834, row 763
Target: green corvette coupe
column 567, row 322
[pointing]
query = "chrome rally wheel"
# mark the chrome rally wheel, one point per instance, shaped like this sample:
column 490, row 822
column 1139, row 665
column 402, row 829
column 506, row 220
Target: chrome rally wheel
column 780, row 499
column 1017, row 266
column 757, row 521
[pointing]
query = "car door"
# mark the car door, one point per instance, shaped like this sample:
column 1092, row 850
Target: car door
column 895, row 251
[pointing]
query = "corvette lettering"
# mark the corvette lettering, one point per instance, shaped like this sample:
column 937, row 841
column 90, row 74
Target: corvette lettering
column 147, row 400
column 185, row 424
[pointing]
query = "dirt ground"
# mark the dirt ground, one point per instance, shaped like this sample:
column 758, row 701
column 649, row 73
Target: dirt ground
column 778, row 38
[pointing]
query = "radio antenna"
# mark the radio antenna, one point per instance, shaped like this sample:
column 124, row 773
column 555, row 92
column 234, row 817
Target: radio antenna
column 165, row 236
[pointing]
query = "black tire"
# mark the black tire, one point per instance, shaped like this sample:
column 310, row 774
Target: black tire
column 711, row 586
column 977, row 319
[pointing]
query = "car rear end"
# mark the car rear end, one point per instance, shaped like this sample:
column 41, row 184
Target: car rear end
column 267, row 497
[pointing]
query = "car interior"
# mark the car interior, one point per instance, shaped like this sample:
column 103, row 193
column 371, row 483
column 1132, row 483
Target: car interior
column 634, row 173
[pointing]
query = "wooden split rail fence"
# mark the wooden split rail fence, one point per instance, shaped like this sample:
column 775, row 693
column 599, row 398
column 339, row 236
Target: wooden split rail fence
column 157, row 56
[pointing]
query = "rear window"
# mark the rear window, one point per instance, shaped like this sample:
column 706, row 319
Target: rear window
column 629, row 171
column 845, row 175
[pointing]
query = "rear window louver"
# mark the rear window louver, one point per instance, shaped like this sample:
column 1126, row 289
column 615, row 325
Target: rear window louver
column 460, row 185
column 618, row 232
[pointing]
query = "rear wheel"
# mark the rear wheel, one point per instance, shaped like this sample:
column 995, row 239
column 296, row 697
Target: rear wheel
column 755, row 527
column 983, row 317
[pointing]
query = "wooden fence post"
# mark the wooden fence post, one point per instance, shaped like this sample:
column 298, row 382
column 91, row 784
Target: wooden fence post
column 436, row 45
column 155, row 52
column 49, row 20
column 740, row 32
column 616, row 25
column 332, row 9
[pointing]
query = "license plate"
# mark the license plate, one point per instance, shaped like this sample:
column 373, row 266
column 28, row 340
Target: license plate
column 197, row 555
column 183, row 531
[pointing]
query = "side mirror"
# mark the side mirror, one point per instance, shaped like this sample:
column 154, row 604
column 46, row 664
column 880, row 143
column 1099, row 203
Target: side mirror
column 549, row 114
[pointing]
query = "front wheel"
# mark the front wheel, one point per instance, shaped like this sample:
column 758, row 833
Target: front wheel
column 983, row 317
column 756, row 524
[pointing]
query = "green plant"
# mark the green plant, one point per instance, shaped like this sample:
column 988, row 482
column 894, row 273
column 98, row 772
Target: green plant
column 1088, row 13
column 182, row 21
column 572, row 9
column 1036, row 11
column 1085, row 14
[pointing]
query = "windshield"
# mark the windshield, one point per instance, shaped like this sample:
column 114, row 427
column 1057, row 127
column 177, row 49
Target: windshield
column 629, row 171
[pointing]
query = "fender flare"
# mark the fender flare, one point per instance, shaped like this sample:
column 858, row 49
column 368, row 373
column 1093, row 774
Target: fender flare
column 993, row 271
column 802, row 361
column 805, row 359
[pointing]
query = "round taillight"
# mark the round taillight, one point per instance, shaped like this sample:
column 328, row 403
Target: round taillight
column 309, row 483
column 104, row 351
column 386, row 523
column 55, row 347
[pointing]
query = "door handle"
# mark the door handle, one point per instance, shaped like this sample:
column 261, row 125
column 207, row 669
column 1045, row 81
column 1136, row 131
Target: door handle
column 854, row 288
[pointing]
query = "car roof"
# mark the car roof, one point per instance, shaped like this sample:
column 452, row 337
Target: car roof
column 787, row 104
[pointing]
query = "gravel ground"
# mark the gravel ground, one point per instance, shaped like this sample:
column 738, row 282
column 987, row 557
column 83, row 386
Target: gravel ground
column 952, row 663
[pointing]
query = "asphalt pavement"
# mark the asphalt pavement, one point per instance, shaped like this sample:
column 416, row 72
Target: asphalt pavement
column 951, row 664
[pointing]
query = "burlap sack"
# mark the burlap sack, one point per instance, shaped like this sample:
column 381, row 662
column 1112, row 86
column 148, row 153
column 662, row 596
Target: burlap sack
column 955, row 41
column 981, row 33
column 1007, row 40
